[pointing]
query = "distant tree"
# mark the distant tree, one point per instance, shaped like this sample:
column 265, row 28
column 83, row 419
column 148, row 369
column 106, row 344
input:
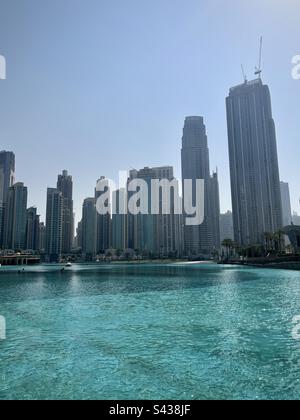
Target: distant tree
column 268, row 238
column 229, row 245
column 279, row 236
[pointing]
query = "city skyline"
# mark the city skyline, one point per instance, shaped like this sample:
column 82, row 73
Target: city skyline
column 149, row 202
column 104, row 98
column 65, row 183
column 77, row 218
column 161, row 234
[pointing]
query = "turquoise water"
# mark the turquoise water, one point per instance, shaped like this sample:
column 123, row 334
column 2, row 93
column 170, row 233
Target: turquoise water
column 149, row 332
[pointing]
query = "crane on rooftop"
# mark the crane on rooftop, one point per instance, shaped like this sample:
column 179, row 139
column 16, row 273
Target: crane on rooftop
column 258, row 70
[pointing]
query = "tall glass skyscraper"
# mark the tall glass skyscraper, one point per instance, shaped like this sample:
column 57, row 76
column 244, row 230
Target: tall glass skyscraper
column 286, row 203
column 65, row 186
column 54, row 216
column 215, row 210
column 88, row 240
column 7, row 179
column 255, row 182
column 7, row 173
column 103, row 241
column 202, row 239
column 15, row 217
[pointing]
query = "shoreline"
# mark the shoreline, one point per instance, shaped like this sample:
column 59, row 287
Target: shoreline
column 291, row 264
column 282, row 265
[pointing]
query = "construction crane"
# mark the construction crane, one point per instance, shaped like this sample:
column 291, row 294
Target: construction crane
column 244, row 74
column 258, row 70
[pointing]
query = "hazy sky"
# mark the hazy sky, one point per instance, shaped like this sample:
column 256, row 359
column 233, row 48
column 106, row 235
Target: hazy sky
column 96, row 86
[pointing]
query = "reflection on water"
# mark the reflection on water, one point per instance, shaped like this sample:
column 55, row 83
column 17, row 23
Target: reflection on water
column 149, row 332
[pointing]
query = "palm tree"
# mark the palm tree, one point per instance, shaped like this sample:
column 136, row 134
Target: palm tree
column 268, row 241
column 228, row 244
column 280, row 235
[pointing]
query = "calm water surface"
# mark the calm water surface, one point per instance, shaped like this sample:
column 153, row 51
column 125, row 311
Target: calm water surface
column 149, row 332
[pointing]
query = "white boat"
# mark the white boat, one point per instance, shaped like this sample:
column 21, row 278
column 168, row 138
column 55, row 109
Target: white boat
column 69, row 264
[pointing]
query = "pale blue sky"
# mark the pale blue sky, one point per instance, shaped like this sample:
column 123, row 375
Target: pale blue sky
column 96, row 86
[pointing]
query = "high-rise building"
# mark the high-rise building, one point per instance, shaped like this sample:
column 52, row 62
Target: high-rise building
column 119, row 220
column 286, row 203
column 7, row 174
column 54, row 216
column 15, row 217
column 199, row 240
column 7, row 179
column 296, row 219
column 88, row 229
column 78, row 239
column 226, row 226
column 158, row 234
column 103, row 241
column 65, row 186
column 2, row 212
column 42, row 236
column 32, row 229
column 214, row 202
column 254, row 169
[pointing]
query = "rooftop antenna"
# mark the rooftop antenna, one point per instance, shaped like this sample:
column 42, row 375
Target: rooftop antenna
column 244, row 74
column 258, row 70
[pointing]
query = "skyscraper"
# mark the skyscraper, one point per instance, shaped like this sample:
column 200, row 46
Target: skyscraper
column 54, row 216
column 7, row 173
column 78, row 238
column 119, row 220
column 42, row 237
column 296, row 219
column 65, row 186
column 226, row 226
column 214, row 202
column 88, row 229
column 199, row 240
column 286, row 203
column 255, row 183
column 32, row 229
column 1, row 224
column 103, row 241
column 15, row 217
column 158, row 234
column 7, row 179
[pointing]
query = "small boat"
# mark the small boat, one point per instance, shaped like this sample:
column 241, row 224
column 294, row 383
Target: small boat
column 69, row 264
